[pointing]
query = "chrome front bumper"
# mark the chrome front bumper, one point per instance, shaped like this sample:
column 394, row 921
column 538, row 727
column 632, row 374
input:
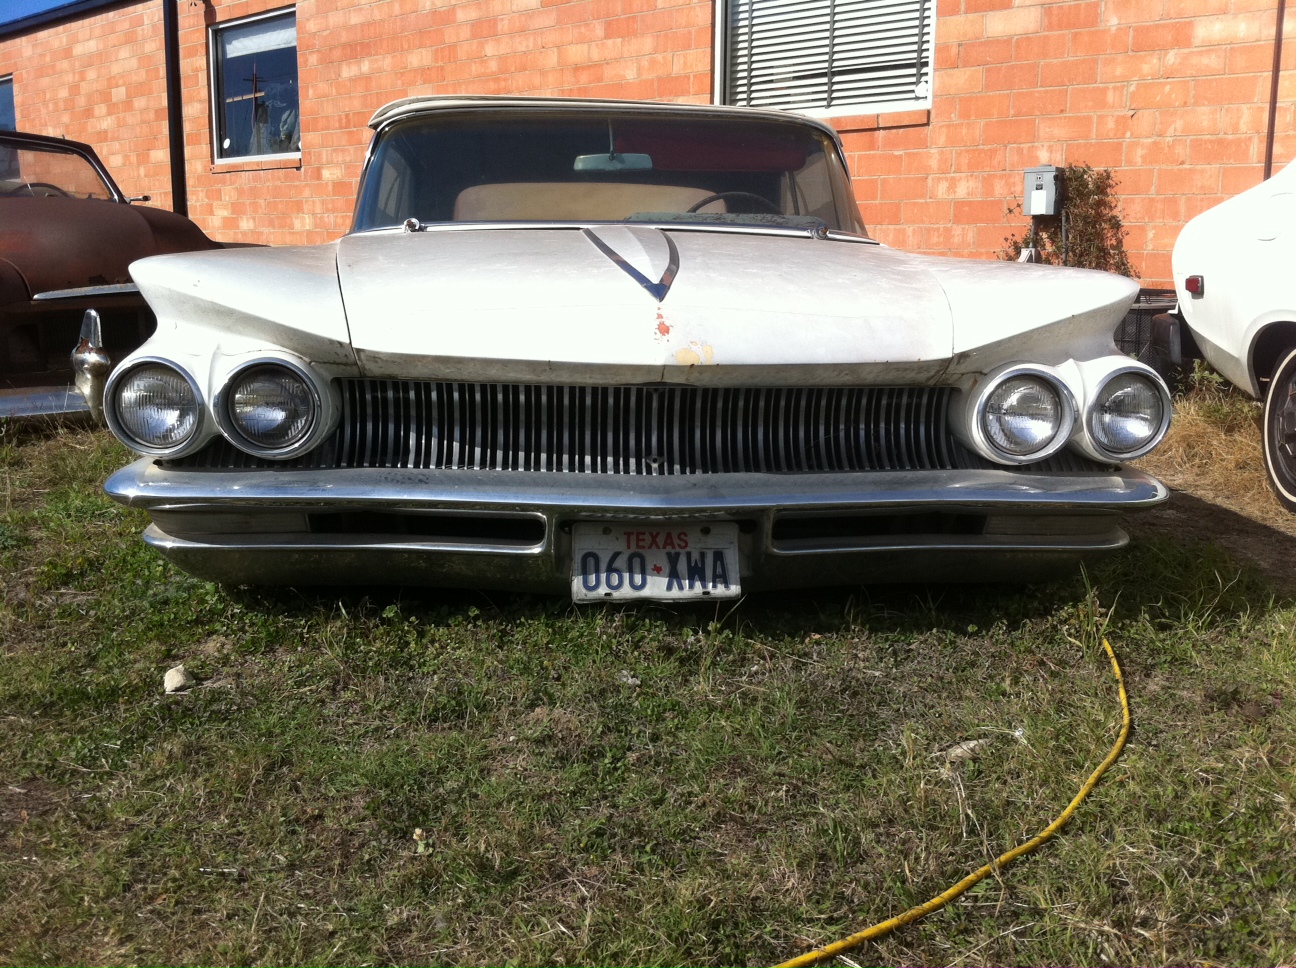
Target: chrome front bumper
column 500, row 529
column 57, row 401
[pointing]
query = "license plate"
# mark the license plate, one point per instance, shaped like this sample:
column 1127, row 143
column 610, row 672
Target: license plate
column 611, row 562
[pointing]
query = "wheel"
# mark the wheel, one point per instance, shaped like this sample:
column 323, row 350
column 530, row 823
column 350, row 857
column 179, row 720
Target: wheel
column 748, row 196
column 1280, row 431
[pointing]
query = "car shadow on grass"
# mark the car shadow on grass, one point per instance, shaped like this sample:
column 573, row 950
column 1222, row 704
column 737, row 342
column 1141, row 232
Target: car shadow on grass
column 1189, row 520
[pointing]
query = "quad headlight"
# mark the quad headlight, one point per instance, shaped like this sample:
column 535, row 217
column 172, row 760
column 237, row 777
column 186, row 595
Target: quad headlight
column 154, row 408
column 1024, row 414
column 269, row 408
column 1128, row 415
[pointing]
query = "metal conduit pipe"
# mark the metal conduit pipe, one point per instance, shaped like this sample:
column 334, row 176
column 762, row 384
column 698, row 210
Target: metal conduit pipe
column 1273, row 89
column 175, row 108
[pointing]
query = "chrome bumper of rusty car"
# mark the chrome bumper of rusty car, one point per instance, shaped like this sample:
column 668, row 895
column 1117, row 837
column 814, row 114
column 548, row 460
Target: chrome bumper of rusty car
column 511, row 530
column 79, row 389
column 55, row 401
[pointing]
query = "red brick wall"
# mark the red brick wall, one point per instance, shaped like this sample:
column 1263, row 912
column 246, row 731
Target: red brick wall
column 1171, row 94
column 354, row 57
column 99, row 79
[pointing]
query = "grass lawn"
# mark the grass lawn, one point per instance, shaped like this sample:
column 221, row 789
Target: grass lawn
column 629, row 785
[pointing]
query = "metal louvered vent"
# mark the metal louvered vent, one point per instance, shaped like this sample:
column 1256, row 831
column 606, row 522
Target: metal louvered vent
column 820, row 54
column 633, row 430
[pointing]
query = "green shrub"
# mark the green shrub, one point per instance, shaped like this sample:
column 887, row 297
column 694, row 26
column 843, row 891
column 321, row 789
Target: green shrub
column 1088, row 234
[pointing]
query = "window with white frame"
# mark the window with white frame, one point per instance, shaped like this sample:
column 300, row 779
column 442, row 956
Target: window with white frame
column 827, row 56
column 255, row 105
column 8, row 117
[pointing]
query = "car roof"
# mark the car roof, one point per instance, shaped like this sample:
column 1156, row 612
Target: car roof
column 424, row 104
column 47, row 141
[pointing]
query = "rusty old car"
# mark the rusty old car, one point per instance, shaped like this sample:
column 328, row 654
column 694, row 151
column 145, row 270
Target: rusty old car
column 67, row 237
column 618, row 351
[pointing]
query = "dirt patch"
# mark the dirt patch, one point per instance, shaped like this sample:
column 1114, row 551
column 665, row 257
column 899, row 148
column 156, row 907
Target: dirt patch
column 21, row 802
column 1185, row 515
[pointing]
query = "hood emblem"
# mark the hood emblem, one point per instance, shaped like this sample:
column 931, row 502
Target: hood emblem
column 659, row 288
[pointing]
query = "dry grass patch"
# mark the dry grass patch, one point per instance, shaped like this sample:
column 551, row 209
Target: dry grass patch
column 1213, row 452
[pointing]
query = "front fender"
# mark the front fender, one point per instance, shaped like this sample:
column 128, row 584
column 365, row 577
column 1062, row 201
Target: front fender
column 13, row 285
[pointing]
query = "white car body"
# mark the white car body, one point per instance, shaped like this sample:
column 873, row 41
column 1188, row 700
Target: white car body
column 1236, row 288
column 815, row 399
column 1244, row 249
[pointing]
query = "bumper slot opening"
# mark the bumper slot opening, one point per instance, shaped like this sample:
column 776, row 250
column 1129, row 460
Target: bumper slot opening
column 514, row 531
column 796, row 532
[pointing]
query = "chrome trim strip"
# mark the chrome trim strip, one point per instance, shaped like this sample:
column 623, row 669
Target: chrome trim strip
column 41, row 402
column 817, row 234
column 88, row 292
column 144, row 484
column 840, row 235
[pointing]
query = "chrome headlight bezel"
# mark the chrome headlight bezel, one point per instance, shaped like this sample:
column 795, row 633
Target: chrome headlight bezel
column 230, row 428
column 197, row 437
column 1066, row 416
column 1099, row 396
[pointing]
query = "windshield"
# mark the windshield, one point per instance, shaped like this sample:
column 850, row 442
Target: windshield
column 604, row 168
column 48, row 172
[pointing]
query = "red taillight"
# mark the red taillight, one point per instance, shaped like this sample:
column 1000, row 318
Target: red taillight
column 1195, row 285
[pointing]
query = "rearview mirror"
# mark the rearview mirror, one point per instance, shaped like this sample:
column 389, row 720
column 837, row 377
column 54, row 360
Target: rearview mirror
column 613, row 161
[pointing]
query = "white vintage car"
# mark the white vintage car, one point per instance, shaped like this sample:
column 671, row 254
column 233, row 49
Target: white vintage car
column 625, row 350
column 1235, row 277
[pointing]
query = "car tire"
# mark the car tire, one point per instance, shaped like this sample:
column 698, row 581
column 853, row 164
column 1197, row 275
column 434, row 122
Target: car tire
column 1279, row 431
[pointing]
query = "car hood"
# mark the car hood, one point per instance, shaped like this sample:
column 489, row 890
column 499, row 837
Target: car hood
column 67, row 243
column 642, row 304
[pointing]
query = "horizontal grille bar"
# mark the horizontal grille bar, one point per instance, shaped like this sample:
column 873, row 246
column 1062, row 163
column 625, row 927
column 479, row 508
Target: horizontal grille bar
column 633, row 430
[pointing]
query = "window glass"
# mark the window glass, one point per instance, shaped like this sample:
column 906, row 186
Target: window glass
column 47, row 172
column 829, row 56
column 604, row 168
column 8, row 121
column 255, row 87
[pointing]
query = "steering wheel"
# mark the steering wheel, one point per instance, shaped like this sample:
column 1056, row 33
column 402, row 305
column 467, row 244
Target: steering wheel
column 48, row 190
column 749, row 196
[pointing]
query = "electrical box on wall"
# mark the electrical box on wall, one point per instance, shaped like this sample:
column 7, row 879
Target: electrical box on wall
column 1042, row 192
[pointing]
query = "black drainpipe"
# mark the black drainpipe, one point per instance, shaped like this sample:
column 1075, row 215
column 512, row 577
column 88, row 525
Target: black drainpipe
column 175, row 112
column 1273, row 89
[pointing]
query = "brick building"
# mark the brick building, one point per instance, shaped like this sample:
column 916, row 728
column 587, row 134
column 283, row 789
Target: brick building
column 941, row 103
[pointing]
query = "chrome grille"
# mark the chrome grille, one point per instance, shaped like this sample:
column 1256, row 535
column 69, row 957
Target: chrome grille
column 639, row 430
column 633, row 430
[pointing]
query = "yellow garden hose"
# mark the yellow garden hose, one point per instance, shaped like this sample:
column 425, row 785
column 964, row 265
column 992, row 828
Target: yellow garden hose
column 940, row 900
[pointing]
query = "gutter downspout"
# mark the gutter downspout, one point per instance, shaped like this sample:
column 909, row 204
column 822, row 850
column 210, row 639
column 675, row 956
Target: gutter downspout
column 175, row 108
column 1273, row 90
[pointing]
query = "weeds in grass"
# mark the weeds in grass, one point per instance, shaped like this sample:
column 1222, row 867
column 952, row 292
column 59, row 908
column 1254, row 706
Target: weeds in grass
column 625, row 785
